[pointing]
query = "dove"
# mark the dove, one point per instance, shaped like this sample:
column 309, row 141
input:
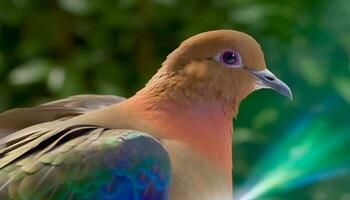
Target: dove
column 171, row 140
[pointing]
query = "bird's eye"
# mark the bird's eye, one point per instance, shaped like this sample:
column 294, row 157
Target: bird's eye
column 230, row 58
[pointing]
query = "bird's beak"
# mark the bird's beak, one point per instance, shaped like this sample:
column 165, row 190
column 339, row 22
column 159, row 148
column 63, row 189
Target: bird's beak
column 266, row 79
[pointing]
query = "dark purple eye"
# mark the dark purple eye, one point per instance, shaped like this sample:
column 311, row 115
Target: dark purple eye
column 230, row 58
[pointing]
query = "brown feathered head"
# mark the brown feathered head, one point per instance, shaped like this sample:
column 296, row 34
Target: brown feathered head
column 223, row 64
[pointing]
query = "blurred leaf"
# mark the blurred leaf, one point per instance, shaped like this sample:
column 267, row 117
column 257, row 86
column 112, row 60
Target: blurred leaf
column 78, row 7
column 313, row 71
column 342, row 85
column 1, row 61
column 55, row 79
column 30, row 72
column 244, row 135
column 249, row 15
column 265, row 117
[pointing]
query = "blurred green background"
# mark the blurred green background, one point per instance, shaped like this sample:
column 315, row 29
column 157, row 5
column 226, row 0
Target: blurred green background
column 282, row 149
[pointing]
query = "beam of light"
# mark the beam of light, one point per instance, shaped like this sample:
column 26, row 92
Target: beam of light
column 315, row 149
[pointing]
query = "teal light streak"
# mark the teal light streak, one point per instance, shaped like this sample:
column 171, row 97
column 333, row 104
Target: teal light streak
column 316, row 148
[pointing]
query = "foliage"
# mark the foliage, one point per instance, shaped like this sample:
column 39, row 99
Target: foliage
column 53, row 49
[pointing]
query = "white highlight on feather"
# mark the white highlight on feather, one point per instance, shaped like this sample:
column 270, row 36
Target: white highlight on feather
column 5, row 184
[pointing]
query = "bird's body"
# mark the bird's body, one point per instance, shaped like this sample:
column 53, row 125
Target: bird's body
column 186, row 108
column 188, row 152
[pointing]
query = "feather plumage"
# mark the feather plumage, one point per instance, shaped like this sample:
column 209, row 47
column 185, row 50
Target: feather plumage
column 48, row 158
column 20, row 118
column 171, row 139
column 86, row 162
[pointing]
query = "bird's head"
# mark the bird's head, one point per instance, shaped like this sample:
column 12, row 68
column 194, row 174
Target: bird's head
column 223, row 64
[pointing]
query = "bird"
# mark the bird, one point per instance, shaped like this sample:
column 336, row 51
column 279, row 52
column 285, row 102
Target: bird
column 171, row 140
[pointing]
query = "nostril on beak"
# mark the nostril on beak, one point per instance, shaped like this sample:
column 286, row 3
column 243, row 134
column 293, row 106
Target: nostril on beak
column 270, row 78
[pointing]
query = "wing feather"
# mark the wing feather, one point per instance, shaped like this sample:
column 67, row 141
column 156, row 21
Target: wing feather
column 85, row 162
column 20, row 118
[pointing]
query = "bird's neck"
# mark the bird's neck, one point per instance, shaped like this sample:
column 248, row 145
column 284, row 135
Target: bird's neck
column 205, row 126
column 185, row 107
